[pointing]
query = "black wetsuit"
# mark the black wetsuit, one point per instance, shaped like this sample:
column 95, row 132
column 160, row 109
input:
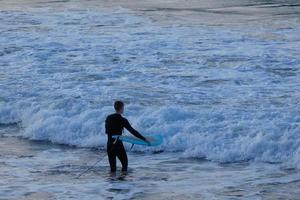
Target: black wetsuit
column 114, row 125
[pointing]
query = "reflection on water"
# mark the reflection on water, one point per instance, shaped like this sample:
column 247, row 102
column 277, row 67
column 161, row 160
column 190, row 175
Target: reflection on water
column 51, row 171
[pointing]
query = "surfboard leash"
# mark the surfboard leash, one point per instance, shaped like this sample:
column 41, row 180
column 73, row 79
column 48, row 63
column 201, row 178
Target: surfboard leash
column 88, row 169
column 131, row 146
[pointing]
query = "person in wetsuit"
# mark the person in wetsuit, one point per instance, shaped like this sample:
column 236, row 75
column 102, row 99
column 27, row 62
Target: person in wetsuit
column 114, row 125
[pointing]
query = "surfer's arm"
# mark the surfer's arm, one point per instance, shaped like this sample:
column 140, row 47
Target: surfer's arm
column 132, row 130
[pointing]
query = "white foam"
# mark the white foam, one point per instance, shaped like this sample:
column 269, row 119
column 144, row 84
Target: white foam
column 212, row 92
column 8, row 114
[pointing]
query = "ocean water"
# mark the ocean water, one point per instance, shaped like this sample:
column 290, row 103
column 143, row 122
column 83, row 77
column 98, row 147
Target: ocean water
column 218, row 80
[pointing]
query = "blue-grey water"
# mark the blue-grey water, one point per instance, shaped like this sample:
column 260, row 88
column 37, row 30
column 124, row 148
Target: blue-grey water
column 219, row 80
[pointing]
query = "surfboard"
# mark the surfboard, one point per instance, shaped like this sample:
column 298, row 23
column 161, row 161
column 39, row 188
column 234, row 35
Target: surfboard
column 154, row 140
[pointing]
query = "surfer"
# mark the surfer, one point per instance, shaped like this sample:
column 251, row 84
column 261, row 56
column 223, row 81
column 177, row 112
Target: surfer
column 114, row 125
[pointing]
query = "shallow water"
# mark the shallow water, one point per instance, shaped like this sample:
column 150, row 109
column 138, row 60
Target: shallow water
column 218, row 80
column 39, row 170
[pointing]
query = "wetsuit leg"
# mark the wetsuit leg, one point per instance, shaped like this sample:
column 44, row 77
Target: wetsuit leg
column 122, row 156
column 111, row 158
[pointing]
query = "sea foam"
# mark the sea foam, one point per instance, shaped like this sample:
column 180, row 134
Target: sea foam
column 222, row 93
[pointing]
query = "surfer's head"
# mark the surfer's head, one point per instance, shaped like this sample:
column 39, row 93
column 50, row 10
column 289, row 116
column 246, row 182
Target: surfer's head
column 119, row 107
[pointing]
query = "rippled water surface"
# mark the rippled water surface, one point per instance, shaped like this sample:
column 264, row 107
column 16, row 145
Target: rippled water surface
column 42, row 171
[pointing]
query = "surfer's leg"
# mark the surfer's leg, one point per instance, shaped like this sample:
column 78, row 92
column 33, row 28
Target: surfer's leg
column 122, row 155
column 112, row 159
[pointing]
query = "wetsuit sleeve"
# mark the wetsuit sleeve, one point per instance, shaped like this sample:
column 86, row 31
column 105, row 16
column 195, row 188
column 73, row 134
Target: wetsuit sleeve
column 132, row 130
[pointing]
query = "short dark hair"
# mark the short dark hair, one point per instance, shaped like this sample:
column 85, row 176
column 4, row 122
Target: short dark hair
column 118, row 105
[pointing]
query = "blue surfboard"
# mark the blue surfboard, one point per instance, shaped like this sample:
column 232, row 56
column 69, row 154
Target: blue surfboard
column 154, row 140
